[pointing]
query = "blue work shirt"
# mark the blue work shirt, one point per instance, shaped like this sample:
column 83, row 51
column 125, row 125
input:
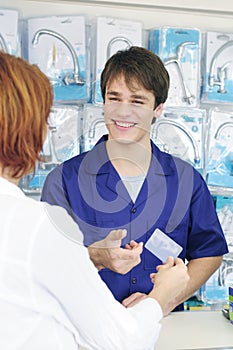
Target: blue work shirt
column 174, row 198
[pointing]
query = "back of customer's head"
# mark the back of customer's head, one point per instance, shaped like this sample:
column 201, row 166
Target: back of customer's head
column 26, row 99
column 139, row 65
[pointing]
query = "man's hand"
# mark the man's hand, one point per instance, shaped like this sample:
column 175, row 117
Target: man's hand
column 108, row 253
column 170, row 280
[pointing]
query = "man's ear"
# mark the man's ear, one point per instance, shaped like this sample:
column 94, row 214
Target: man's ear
column 157, row 112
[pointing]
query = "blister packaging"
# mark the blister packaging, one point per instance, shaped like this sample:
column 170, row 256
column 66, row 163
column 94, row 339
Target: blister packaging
column 180, row 132
column 108, row 36
column 62, row 142
column 179, row 49
column 93, row 126
column 219, row 163
column 9, row 32
column 218, row 67
column 58, row 45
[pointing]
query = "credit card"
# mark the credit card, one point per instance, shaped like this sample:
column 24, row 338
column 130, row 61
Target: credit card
column 162, row 246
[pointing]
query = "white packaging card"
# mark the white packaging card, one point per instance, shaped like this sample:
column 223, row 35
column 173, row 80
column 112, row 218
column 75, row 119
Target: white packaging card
column 162, row 246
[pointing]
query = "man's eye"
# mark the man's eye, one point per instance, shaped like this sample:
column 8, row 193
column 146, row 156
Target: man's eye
column 137, row 102
column 113, row 99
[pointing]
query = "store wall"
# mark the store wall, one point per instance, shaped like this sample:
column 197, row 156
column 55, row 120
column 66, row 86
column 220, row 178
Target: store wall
column 205, row 15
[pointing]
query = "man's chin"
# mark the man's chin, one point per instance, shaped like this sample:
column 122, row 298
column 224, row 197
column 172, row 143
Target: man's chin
column 123, row 140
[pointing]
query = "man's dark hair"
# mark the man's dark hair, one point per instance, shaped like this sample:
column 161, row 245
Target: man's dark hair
column 140, row 65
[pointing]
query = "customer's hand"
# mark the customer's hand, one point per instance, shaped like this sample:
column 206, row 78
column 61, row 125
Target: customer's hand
column 134, row 299
column 108, row 253
column 170, row 280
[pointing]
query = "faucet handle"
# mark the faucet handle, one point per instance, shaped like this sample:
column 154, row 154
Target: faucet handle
column 75, row 79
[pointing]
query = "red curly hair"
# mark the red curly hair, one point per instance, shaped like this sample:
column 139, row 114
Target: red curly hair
column 26, row 98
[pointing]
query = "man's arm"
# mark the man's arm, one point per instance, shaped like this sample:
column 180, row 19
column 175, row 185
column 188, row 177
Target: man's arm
column 199, row 271
column 108, row 253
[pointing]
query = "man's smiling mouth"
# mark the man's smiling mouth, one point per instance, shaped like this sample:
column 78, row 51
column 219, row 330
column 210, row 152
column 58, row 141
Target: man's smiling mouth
column 124, row 124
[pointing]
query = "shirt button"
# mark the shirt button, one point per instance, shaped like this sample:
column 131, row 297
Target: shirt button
column 134, row 280
column 133, row 210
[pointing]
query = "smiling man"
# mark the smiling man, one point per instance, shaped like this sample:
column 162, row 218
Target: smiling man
column 126, row 182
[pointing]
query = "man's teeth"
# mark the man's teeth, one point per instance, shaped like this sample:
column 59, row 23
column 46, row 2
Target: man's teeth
column 125, row 125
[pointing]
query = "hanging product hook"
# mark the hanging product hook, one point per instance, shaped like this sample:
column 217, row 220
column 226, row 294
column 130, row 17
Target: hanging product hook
column 221, row 71
column 188, row 97
column 76, row 79
column 116, row 39
column 3, row 43
column 183, row 129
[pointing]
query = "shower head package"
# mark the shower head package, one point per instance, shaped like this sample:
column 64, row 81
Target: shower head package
column 58, row 46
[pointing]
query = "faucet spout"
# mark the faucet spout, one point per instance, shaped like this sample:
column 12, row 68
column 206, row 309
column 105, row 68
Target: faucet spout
column 188, row 97
column 116, row 39
column 221, row 72
column 76, row 79
column 221, row 127
column 197, row 159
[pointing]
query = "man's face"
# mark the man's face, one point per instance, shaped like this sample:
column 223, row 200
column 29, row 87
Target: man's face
column 129, row 112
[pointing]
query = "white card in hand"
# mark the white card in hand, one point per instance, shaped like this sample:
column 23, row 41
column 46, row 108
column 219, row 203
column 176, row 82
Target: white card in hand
column 162, row 246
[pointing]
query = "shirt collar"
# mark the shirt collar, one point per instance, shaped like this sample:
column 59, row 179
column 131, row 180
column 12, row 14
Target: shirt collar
column 162, row 162
column 8, row 188
column 96, row 161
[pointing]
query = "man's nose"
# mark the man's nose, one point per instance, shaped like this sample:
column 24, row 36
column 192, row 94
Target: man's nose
column 124, row 109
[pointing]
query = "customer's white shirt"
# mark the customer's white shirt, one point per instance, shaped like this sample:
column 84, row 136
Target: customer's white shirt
column 51, row 296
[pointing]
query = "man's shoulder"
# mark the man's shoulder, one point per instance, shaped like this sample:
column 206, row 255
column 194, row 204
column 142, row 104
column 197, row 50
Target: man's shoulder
column 74, row 160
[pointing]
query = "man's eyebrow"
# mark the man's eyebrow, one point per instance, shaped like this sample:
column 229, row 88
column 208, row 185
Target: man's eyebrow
column 139, row 97
column 135, row 96
column 112, row 92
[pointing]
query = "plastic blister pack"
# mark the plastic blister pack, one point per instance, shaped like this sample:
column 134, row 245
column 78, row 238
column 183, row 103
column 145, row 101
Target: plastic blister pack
column 215, row 290
column 110, row 35
column 62, row 142
column 179, row 48
column 58, row 46
column 9, row 32
column 219, row 164
column 180, row 132
column 93, row 126
column 218, row 67
column 224, row 208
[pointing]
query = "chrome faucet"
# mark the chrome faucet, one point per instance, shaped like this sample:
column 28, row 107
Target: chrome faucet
column 75, row 79
column 184, row 130
column 188, row 97
column 221, row 71
column 93, row 126
column 114, row 40
column 221, row 127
